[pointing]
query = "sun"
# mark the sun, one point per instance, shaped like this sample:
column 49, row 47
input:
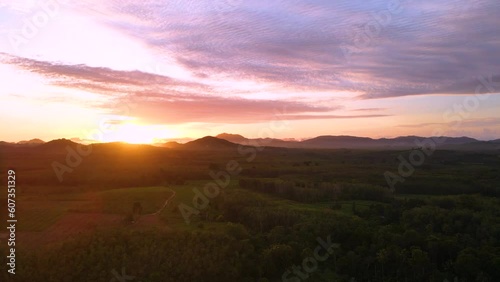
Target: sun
column 138, row 134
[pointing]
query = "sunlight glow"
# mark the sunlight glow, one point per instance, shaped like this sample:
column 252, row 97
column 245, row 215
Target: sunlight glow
column 134, row 133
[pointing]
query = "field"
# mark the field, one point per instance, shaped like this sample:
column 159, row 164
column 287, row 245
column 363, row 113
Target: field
column 442, row 222
column 45, row 219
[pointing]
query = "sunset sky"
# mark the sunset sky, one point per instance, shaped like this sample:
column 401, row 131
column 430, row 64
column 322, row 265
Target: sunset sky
column 144, row 71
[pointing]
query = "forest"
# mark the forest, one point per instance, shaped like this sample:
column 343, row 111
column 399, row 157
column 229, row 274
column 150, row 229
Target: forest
column 288, row 215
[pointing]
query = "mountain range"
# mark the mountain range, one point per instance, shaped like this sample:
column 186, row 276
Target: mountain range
column 354, row 142
column 231, row 141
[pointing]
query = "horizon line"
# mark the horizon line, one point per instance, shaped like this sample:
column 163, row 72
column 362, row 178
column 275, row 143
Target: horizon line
column 189, row 139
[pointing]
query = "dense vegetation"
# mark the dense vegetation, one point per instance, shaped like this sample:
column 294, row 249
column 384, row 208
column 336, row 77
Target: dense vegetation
column 442, row 223
column 405, row 240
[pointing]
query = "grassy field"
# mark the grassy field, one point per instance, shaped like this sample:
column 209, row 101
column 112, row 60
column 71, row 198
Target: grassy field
column 36, row 213
column 121, row 201
column 39, row 215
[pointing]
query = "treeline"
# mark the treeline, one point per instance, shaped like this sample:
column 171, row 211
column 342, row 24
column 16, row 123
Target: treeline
column 313, row 192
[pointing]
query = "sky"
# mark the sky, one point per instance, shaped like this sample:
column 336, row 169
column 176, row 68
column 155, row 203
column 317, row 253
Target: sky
column 150, row 71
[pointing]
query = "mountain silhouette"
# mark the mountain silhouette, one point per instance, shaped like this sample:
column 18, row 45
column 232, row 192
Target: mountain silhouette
column 210, row 142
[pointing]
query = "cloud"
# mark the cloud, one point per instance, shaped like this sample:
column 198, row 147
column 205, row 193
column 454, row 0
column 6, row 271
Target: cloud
column 98, row 79
column 426, row 49
column 369, row 109
column 159, row 99
column 213, row 109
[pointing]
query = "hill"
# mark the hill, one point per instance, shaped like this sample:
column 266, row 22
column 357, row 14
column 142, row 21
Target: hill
column 56, row 146
column 171, row 145
column 234, row 138
column 231, row 141
column 24, row 143
column 258, row 142
column 35, row 141
column 209, row 142
column 3, row 143
column 354, row 142
column 339, row 142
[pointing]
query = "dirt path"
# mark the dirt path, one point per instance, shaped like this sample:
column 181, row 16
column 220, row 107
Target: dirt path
column 153, row 219
column 164, row 205
column 73, row 224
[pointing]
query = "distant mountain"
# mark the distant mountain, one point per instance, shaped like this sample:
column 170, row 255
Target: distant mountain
column 24, row 143
column 6, row 144
column 354, row 142
column 258, row 142
column 104, row 148
column 57, row 145
column 32, row 142
column 209, row 142
column 338, row 142
column 54, row 146
column 163, row 141
column 459, row 140
column 235, row 138
column 232, row 141
column 171, row 145
column 324, row 142
column 59, row 142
